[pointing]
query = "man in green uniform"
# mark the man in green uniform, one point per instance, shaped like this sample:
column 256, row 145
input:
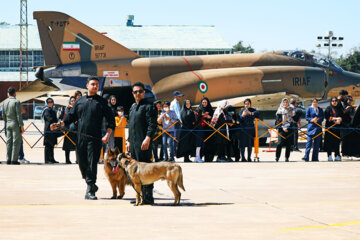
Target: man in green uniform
column 14, row 126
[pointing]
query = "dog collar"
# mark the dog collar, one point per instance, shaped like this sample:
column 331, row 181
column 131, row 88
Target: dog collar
column 127, row 163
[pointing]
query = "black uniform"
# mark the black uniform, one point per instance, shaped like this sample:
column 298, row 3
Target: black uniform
column 142, row 123
column 89, row 112
column 50, row 138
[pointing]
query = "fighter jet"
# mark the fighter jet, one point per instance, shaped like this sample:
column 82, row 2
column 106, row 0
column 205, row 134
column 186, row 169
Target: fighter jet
column 73, row 51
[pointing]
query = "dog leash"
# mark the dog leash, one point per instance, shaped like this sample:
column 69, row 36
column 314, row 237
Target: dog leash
column 79, row 133
column 131, row 182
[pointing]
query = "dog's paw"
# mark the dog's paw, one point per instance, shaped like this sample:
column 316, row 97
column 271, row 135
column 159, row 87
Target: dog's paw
column 120, row 197
column 113, row 197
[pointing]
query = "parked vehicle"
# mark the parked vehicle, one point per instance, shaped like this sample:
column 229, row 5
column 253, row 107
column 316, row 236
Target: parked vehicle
column 38, row 111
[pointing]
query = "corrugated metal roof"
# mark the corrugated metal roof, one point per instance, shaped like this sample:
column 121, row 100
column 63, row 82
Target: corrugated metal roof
column 144, row 37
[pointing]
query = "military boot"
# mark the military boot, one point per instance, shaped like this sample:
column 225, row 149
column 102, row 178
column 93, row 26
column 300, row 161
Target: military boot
column 147, row 192
column 90, row 192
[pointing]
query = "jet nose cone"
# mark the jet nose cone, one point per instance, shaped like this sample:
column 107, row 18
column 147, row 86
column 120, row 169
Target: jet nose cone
column 351, row 78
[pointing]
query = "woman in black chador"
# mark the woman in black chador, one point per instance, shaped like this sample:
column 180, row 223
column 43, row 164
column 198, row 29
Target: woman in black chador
column 356, row 134
column 68, row 145
column 204, row 114
column 186, row 147
column 333, row 115
column 220, row 122
column 348, row 135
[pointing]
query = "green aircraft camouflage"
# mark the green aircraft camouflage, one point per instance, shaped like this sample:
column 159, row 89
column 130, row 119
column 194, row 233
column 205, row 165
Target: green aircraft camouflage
column 74, row 51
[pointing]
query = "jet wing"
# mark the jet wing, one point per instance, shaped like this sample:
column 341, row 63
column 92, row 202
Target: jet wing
column 33, row 90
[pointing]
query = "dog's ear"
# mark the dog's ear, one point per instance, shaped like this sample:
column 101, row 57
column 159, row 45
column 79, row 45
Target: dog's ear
column 109, row 152
column 116, row 151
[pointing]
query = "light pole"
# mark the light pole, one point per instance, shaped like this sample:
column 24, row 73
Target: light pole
column 330, row 41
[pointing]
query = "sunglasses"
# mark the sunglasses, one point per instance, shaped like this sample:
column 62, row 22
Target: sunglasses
column 50, row 102
column 138, row 91
column 334, row 101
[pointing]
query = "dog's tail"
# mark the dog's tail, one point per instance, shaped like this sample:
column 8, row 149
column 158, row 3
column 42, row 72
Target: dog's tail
column 180, row 179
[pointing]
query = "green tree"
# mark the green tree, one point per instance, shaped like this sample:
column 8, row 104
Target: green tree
column 351, row 62
column 239, row 47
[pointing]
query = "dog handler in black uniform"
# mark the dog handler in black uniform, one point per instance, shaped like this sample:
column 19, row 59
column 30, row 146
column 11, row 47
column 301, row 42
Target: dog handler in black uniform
column 142, row 127
column 89, row 111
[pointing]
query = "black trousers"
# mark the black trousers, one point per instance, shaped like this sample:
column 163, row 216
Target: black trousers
column 284, row 142
column 119, row 144
column 155, row 145
column 88, row 154
column 49, row 153
column 144, row 156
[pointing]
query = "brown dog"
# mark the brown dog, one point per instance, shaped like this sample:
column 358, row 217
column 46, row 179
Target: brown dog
column 115, row 174
column 147, row 173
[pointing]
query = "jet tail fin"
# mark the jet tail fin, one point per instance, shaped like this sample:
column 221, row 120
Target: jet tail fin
column 65, row 40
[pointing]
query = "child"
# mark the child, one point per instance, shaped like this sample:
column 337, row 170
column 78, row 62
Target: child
column 120, row 122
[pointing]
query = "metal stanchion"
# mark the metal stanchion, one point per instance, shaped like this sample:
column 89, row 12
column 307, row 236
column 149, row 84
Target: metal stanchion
column 256, row 141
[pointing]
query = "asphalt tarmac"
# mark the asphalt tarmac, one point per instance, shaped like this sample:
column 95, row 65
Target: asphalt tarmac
column 254, row 200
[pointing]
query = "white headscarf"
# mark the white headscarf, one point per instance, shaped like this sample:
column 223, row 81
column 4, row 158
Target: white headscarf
column 286, row 112
column 219, row 111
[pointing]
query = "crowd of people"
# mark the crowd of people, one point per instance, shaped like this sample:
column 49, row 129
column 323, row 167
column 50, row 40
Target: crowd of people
column 235, row 132
column 185, row 132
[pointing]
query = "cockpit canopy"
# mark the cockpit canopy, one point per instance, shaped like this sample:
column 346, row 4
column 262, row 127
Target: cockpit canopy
column 313, row 59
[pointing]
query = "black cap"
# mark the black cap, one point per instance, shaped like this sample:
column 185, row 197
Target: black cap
column 11, row 91
column 178, row 94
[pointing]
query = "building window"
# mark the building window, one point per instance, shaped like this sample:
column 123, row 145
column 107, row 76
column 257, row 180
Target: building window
column 144, row 53
column 178, row 53
column 166, row 53
column 213, row 52
column 189, row 53
column 201, row 53
column 38, row 59
column 4, row 59
column 155, row 53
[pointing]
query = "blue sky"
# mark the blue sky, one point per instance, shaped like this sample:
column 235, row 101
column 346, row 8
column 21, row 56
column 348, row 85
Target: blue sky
column 265, row 25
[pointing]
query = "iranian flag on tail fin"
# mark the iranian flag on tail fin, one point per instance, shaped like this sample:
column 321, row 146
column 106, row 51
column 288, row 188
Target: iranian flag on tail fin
column 71, row 46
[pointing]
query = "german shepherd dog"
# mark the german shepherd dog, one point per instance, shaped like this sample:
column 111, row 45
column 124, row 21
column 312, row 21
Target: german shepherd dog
column 115, row 174
column 141, row 173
